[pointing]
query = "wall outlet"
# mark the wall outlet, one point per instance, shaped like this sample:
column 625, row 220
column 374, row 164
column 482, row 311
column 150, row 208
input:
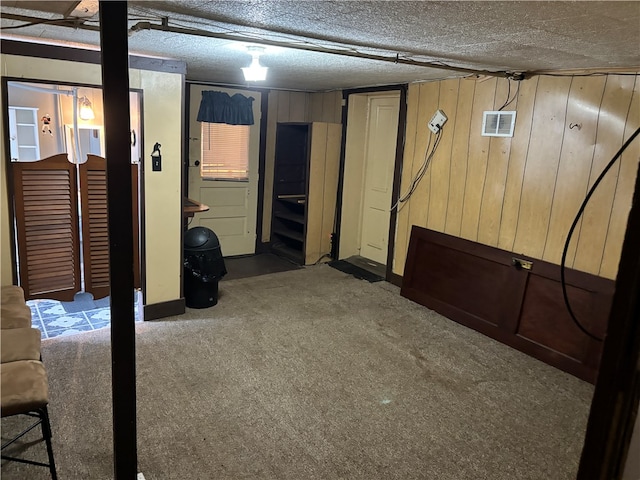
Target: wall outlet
column 437, row 121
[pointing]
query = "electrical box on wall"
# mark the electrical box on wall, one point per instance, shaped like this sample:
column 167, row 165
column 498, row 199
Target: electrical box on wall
column 437, row 121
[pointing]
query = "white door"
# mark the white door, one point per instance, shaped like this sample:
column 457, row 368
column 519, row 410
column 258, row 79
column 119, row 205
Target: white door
column 233, row 205
column 382, row 132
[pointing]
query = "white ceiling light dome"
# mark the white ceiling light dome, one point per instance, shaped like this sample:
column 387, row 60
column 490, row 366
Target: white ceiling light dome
column 255, row 72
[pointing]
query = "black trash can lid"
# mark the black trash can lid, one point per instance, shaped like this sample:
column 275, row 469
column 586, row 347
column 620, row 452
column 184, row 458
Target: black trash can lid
column 201, row 238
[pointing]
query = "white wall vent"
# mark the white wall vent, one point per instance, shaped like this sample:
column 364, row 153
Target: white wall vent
column 498, row 124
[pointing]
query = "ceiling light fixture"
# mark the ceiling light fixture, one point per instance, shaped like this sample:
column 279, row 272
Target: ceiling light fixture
column 255, row 72
column 86, row 111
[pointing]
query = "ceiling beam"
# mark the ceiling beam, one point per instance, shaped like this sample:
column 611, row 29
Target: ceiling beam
column 346, row 50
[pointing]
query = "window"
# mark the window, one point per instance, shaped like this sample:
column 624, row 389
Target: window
column 224, row 152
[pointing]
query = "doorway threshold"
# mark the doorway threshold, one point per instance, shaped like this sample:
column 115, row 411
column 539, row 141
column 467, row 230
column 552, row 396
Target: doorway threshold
column 256, row 264
column 361, row 268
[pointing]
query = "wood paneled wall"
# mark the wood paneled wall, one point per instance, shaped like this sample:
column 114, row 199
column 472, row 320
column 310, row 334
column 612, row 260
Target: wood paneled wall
column 326, row 107
column 522, row 193
column 285, row 106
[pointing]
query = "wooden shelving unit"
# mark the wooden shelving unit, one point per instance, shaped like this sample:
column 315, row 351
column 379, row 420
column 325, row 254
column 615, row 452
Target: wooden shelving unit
column 23, row 134
column 305, row 189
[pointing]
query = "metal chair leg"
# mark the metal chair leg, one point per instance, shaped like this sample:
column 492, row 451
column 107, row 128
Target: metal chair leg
column 42, row 415
column 46, row 433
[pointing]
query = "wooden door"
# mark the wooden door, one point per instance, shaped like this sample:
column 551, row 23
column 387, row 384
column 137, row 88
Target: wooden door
column 382, row 130
column 48, row 226
column 513, row 299
column 233, row 205
column 95, row 233
column 46, row 213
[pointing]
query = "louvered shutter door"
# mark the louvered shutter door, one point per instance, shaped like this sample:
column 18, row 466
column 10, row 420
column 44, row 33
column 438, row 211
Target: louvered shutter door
column 93, row 192
column 45, row 197
column 95, row 228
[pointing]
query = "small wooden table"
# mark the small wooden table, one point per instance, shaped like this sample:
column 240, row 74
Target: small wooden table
column 191, row 207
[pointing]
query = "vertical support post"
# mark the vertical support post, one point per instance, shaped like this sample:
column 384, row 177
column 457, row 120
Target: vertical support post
column 115, row 81
column 264, row 109
column 617, row 393
column 335, row 247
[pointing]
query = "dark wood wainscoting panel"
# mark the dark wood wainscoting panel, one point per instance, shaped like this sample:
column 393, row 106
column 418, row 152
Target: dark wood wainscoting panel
column 462, row 282
column 545, row 320
column 481, row 287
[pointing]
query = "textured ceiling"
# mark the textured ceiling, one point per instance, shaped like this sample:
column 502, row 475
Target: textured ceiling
column 485, row 36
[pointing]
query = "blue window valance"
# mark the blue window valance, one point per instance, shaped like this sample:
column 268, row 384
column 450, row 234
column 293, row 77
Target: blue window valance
column 219, row 107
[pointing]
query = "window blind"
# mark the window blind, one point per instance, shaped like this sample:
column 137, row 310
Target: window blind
column 224, row 152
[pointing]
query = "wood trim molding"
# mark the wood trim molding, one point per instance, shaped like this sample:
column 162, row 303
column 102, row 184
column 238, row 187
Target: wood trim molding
column 340, row 192
column 43, row 50
column 380, row 88
column 170, row 308
column 262, row 156
column 59, row 52
column 263, row 247
column 10, row 192
column 397, row 178
column 589, row 71
column 395, row 279
column 402, row 119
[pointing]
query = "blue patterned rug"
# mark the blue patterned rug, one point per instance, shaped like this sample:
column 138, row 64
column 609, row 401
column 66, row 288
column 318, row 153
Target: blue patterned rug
column 55, row 319
column 84, row 301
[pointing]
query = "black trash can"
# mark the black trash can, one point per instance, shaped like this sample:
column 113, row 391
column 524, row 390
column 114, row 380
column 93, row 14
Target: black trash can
column 203, row 267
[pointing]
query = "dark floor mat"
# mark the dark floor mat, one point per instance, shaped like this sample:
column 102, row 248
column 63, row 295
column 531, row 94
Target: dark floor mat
column 354, row 270
column 254, row 265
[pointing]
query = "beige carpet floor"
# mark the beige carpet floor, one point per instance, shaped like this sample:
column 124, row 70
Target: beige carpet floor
column 313, row 374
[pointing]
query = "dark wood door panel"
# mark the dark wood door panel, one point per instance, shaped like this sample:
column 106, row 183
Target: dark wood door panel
column 47, row 232
column 452, row 279
column 95, row 233
column 546, row 321
column 483, row 288
column 47, row 225
column 95, row 229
